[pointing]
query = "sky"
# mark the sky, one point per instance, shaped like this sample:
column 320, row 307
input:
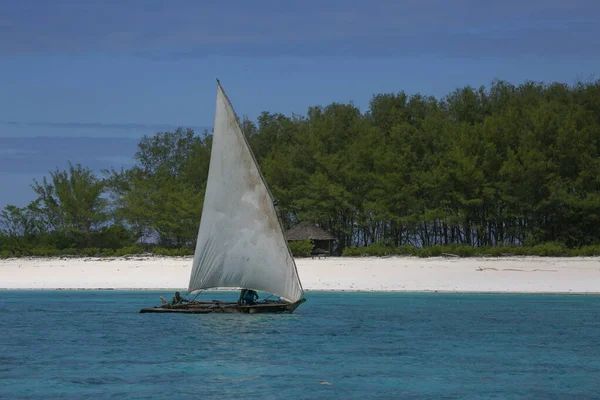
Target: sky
column 83, row 80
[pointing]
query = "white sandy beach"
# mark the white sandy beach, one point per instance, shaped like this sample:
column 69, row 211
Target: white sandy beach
column 509, row 274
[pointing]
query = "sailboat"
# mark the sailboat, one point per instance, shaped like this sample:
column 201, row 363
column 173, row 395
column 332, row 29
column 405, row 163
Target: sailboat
column 241, row 241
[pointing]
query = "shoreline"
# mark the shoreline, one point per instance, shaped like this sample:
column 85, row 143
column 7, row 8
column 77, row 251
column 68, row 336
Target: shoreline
column 305, row 291
column 391, row 274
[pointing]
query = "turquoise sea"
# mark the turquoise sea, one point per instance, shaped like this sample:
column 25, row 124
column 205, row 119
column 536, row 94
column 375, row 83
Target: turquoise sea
column 94, row 344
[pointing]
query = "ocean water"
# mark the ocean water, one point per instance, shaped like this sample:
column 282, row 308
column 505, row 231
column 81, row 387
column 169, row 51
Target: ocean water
column 95, row 344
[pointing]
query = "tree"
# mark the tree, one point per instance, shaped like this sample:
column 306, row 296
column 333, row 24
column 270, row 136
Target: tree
column 27, row 222
column 72, row 200
column 481, row 167
column 162, row 194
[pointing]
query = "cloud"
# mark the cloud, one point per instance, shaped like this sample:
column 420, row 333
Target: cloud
column 11, row 129
column 99, row 125
column 187, row 28
column 43, row 154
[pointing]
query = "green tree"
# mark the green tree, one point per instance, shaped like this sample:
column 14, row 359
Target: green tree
column 27, row 222
column 72, row 200
column 163, row 193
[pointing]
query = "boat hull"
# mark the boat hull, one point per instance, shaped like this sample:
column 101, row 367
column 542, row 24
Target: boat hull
column 224, row 307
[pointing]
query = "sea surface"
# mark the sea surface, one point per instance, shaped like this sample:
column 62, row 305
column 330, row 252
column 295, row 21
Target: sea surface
column 95, row 344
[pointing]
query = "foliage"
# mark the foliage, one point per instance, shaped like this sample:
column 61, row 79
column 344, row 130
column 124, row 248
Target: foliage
column 27, row 222
column 90, row 252
column 374, row 249
column 497, row 171
column 301, row 248
column 131, row 250
column 180, row 252
column 162, row 195
column 479, row 168
column 586, row 251
column 72, row 200
column 44, row 252
column 542, row 250
column 107, row 253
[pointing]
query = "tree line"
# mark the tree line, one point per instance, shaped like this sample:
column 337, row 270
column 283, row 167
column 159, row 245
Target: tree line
column 504, row 166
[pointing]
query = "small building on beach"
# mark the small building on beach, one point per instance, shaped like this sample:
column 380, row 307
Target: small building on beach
column 321, row 239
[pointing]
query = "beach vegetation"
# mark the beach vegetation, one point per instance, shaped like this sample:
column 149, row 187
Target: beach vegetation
column 503, row 170
column 301, row 248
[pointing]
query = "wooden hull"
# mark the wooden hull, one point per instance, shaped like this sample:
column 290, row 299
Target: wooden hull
column 201, row 307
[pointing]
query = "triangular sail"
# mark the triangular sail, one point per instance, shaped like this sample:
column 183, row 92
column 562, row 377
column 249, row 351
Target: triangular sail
column 240, row 240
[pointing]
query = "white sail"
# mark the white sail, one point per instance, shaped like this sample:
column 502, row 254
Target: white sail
column 240, row 240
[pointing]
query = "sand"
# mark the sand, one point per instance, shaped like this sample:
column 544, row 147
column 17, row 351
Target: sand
column 507, row 274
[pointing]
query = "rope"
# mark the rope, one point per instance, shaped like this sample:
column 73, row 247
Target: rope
column 197, row 294
column 268, row 298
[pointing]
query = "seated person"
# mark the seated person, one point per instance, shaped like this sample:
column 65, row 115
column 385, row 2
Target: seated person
column 250, row 297
column 177, row 299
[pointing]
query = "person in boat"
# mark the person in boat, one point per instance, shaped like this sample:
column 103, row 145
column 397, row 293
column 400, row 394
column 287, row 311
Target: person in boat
column 241, row 298
column 177, row 299
column 250, row 297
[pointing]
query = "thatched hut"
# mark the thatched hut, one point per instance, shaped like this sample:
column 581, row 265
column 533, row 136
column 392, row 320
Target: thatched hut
column 321, row 239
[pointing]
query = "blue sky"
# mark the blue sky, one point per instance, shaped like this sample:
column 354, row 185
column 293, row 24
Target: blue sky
column 110, row 70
